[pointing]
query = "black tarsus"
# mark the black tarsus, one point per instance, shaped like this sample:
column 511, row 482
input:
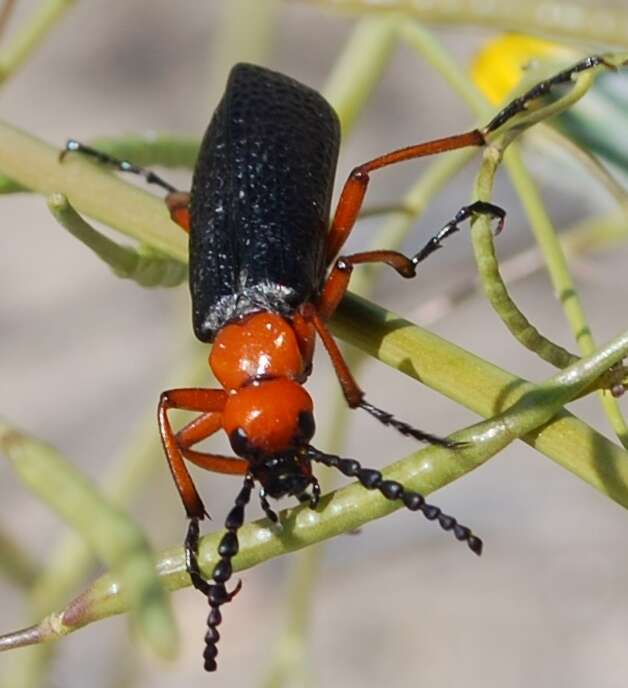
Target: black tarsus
column 466, row 212
column 405, row 429
column 543, row 88
column 216, row 592
column 191, row 557
column 315, row 497
column 74, row 146
column 372, row 479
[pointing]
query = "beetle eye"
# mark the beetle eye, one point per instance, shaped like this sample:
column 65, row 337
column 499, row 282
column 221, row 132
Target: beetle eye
column 240, row 442
column 306, row 426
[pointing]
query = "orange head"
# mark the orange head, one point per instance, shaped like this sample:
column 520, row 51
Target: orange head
column 268, row 417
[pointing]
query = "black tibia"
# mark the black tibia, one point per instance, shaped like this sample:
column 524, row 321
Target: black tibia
column 216, row 592
column 541, row 89
column 373, row 480
column 191, row 557
column 405, row 429
column 467, row 211
column 73, row 146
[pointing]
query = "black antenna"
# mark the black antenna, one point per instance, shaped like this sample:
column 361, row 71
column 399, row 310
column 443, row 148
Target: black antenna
column 372, row 479
column 216, row 592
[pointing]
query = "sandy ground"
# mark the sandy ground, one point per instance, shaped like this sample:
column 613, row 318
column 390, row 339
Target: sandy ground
column 84, row 356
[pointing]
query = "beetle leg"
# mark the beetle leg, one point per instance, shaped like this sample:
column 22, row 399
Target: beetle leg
column 199, row 429
column 355, row 396
column 350, row 388
column 203, row 400
column 355, row 187
column 216, row 463
column 212, row 402
column 354, row 190
column 177, row 201
column 520, row 104
column 338, row 281
column 335, row 288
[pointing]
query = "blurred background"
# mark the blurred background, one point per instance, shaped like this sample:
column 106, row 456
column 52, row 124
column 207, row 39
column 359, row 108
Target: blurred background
column 84, row 357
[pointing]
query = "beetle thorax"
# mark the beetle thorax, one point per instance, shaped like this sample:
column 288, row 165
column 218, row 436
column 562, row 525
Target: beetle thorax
column 259, row 360
column 260, row 346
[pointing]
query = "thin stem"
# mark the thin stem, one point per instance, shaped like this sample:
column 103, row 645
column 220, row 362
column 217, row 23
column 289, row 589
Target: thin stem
column 596, row 234
column 129, row 474
column 90, row 189
column 590, row 24
column 31, row 36
column 246, row 35
column 145, row 150
column 532, row 412
column 562, row 282
column 540, row 222
column 109, row 532
column 147, row 267
column 357, row 71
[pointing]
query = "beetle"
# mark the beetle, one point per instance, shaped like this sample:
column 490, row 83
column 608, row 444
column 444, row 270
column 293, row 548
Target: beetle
column 266, row 274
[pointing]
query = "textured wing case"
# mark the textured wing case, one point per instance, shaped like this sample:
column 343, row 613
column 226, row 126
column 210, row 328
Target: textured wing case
column 260, row 199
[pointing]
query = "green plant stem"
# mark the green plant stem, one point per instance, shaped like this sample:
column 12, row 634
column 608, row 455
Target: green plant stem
column 562, row 282
column 591, row 24
column 516, row 409
column 146, row 150
column 147, row 267
column 125, row 478
column 109, row 532
column 481, row 387
column 30, row 37
column 357, row 71
column 531, row 200
column 90, row 189
column 245, row 35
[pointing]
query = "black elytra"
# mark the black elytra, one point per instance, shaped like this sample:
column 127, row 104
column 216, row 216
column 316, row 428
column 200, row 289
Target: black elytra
column 260, row 202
